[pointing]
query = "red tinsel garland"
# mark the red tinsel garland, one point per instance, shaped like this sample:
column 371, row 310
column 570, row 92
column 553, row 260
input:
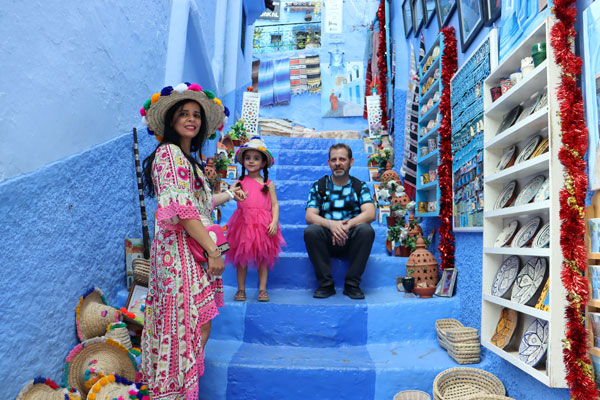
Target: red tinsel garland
column 572, row 202
column 449, row 65
column 382, row 64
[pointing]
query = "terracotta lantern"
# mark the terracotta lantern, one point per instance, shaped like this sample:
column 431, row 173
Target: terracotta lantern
column 390, row 175
column 422, row 265
column 416, row 230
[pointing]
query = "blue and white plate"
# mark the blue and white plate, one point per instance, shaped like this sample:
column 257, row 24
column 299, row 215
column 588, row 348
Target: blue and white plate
column 534, row 343
column 506, row 275
column 529, row 281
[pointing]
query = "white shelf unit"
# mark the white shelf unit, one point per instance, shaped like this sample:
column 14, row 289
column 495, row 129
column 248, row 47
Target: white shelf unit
column 544, row 122
column 429, row 192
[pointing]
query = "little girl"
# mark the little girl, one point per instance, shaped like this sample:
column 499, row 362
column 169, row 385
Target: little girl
column 253, row 231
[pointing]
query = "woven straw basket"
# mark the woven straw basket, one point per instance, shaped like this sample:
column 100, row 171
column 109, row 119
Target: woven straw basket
column 141, row 271
column 488, row 397
column 412, row 395
column 461, row 342
column 462, row 382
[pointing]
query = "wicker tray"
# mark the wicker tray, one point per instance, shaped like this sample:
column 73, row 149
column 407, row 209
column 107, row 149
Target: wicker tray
column 141, row 271
column 412, row 395
column 462, row 382
column 488, row 397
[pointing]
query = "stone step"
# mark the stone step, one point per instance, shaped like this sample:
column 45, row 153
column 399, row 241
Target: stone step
column 281, row 142
column 313, row 172
column 295, row 271
column 235, row 370
column 295, row 318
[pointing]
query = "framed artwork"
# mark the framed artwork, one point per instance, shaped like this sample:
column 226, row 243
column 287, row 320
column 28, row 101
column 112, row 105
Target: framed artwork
column 543, row 302
column 342, row 90
column 493, row 9
column 373, row 171
column 470, row 19
column 407, row 15
column 134, row 248
column 446, row 285
column 384, row 212
column 418, row 16
column 444, row 9
column 137, row 292
column 231, row 172
column 369, row 146
column 591, row 30
column 429, row 7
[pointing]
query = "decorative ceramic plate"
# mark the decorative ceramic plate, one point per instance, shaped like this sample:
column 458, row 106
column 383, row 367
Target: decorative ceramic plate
column 542, row 239
column 530, row 190
column 543, row 193
column 509, row 119
column 507, row 196
column 507, row 234
column 508, row 158
column 529, row 281
column 541, row 148
column 527, row 232
column 542, row 102
column 534, row 342
column 506, row 275
column 505, row 328
column 528, row 149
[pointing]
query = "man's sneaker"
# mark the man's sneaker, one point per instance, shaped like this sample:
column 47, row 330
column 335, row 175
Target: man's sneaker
column 354, row 292
column 324, row 292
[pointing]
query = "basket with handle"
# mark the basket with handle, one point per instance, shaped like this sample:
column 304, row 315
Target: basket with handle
column 141, row 271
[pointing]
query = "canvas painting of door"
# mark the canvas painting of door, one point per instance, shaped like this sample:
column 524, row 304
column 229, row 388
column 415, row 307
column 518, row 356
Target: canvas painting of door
column 343, row 89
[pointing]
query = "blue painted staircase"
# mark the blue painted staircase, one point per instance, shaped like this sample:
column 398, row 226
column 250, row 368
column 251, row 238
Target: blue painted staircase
column 298, row 347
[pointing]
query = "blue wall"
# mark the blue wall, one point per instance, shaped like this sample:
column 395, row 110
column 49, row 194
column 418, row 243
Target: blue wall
column 73, row 75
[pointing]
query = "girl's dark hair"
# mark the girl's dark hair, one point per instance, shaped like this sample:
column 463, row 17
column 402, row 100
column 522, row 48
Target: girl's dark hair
column 265, row 188
column 172, row 137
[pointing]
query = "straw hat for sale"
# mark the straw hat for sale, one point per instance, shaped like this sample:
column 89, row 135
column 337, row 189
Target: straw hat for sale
column 46, row 389
column 94, row 359
column 155, row 109
column 118, row 331
column 255, row 143
column 116, row 387
column 93, row 315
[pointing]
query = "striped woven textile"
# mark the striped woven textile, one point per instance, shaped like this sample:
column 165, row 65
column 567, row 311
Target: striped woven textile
column 281, row 85
column 298, row 80
column 255, row 67
column 411, row 128
column 265, row 83
column 313, row 74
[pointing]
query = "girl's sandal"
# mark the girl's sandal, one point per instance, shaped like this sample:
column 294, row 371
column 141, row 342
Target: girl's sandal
column 263, row 296
column 240, row 295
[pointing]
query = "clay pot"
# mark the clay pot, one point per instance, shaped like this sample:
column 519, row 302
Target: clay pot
column 391, row 220
column 424, row 292
column 422, row 265
column 222, row 173
column 403, row 251
column 390, row 175
column 237, row 143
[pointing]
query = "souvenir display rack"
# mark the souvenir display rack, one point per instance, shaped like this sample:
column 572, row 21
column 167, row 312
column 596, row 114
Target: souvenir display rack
column 543, row 122
column 593, row 306
column 430, row 91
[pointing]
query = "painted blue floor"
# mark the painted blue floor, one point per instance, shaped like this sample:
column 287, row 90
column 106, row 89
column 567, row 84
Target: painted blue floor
column 297, row 347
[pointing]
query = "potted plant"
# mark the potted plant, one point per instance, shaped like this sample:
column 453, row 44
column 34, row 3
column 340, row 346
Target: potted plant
column 380, row 158
column 395, row 235
column 221, row 163
column 238, row 133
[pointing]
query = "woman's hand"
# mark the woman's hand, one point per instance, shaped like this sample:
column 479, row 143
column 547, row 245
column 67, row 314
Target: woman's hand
column 216, row 265
column 239, row 194
column 272, row 229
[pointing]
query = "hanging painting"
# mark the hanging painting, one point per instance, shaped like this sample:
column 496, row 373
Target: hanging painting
column 517, row 20
column 343, row 89
column 429, row 7
column 407, row 16
column 492, row 11
column 591, row 31
column 444, row 9
column 470, row 19
column 418, row 15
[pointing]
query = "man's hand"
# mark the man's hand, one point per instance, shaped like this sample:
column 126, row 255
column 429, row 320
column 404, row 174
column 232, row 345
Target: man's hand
column 339, row 232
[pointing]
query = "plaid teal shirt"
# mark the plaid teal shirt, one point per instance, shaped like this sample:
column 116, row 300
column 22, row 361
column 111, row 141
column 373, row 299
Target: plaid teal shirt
column 340, row 202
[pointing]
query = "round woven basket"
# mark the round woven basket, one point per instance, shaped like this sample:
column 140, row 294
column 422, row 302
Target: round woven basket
column 488, row 397
column 412, row 395
column 141, row 271
column 462, row 382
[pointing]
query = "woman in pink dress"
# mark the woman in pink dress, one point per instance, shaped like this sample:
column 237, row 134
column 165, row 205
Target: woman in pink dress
column 253, row 231
column 183, row 294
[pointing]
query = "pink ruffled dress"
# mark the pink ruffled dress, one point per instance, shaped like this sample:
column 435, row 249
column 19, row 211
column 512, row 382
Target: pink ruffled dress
column 182, row 296
column 247, row 230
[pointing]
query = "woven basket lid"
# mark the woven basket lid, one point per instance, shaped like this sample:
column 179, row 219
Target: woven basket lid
column 120, row 333
column 93, row 315
column 46, row 389
column 95, row 358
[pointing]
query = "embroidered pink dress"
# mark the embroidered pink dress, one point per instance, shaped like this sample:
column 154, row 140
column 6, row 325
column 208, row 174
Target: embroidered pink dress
column 247, row 230
column 182, row 296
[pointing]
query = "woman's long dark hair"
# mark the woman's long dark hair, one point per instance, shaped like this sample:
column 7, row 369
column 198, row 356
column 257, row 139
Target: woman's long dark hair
column 172, row 137
column 265, row 188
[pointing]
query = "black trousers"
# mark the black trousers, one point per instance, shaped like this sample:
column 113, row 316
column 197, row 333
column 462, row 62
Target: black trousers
column 357, row 248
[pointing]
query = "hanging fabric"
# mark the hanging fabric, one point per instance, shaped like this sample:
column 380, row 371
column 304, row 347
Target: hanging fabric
column 281, row 86
column 411, row 126
column 265, row 83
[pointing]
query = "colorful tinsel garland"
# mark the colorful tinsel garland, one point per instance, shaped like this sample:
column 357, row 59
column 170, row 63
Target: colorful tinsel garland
column 572, row 201
column 449, row 66
column 382, row 64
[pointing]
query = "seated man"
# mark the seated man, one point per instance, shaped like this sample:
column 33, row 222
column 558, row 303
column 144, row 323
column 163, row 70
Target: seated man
column 338, row 213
